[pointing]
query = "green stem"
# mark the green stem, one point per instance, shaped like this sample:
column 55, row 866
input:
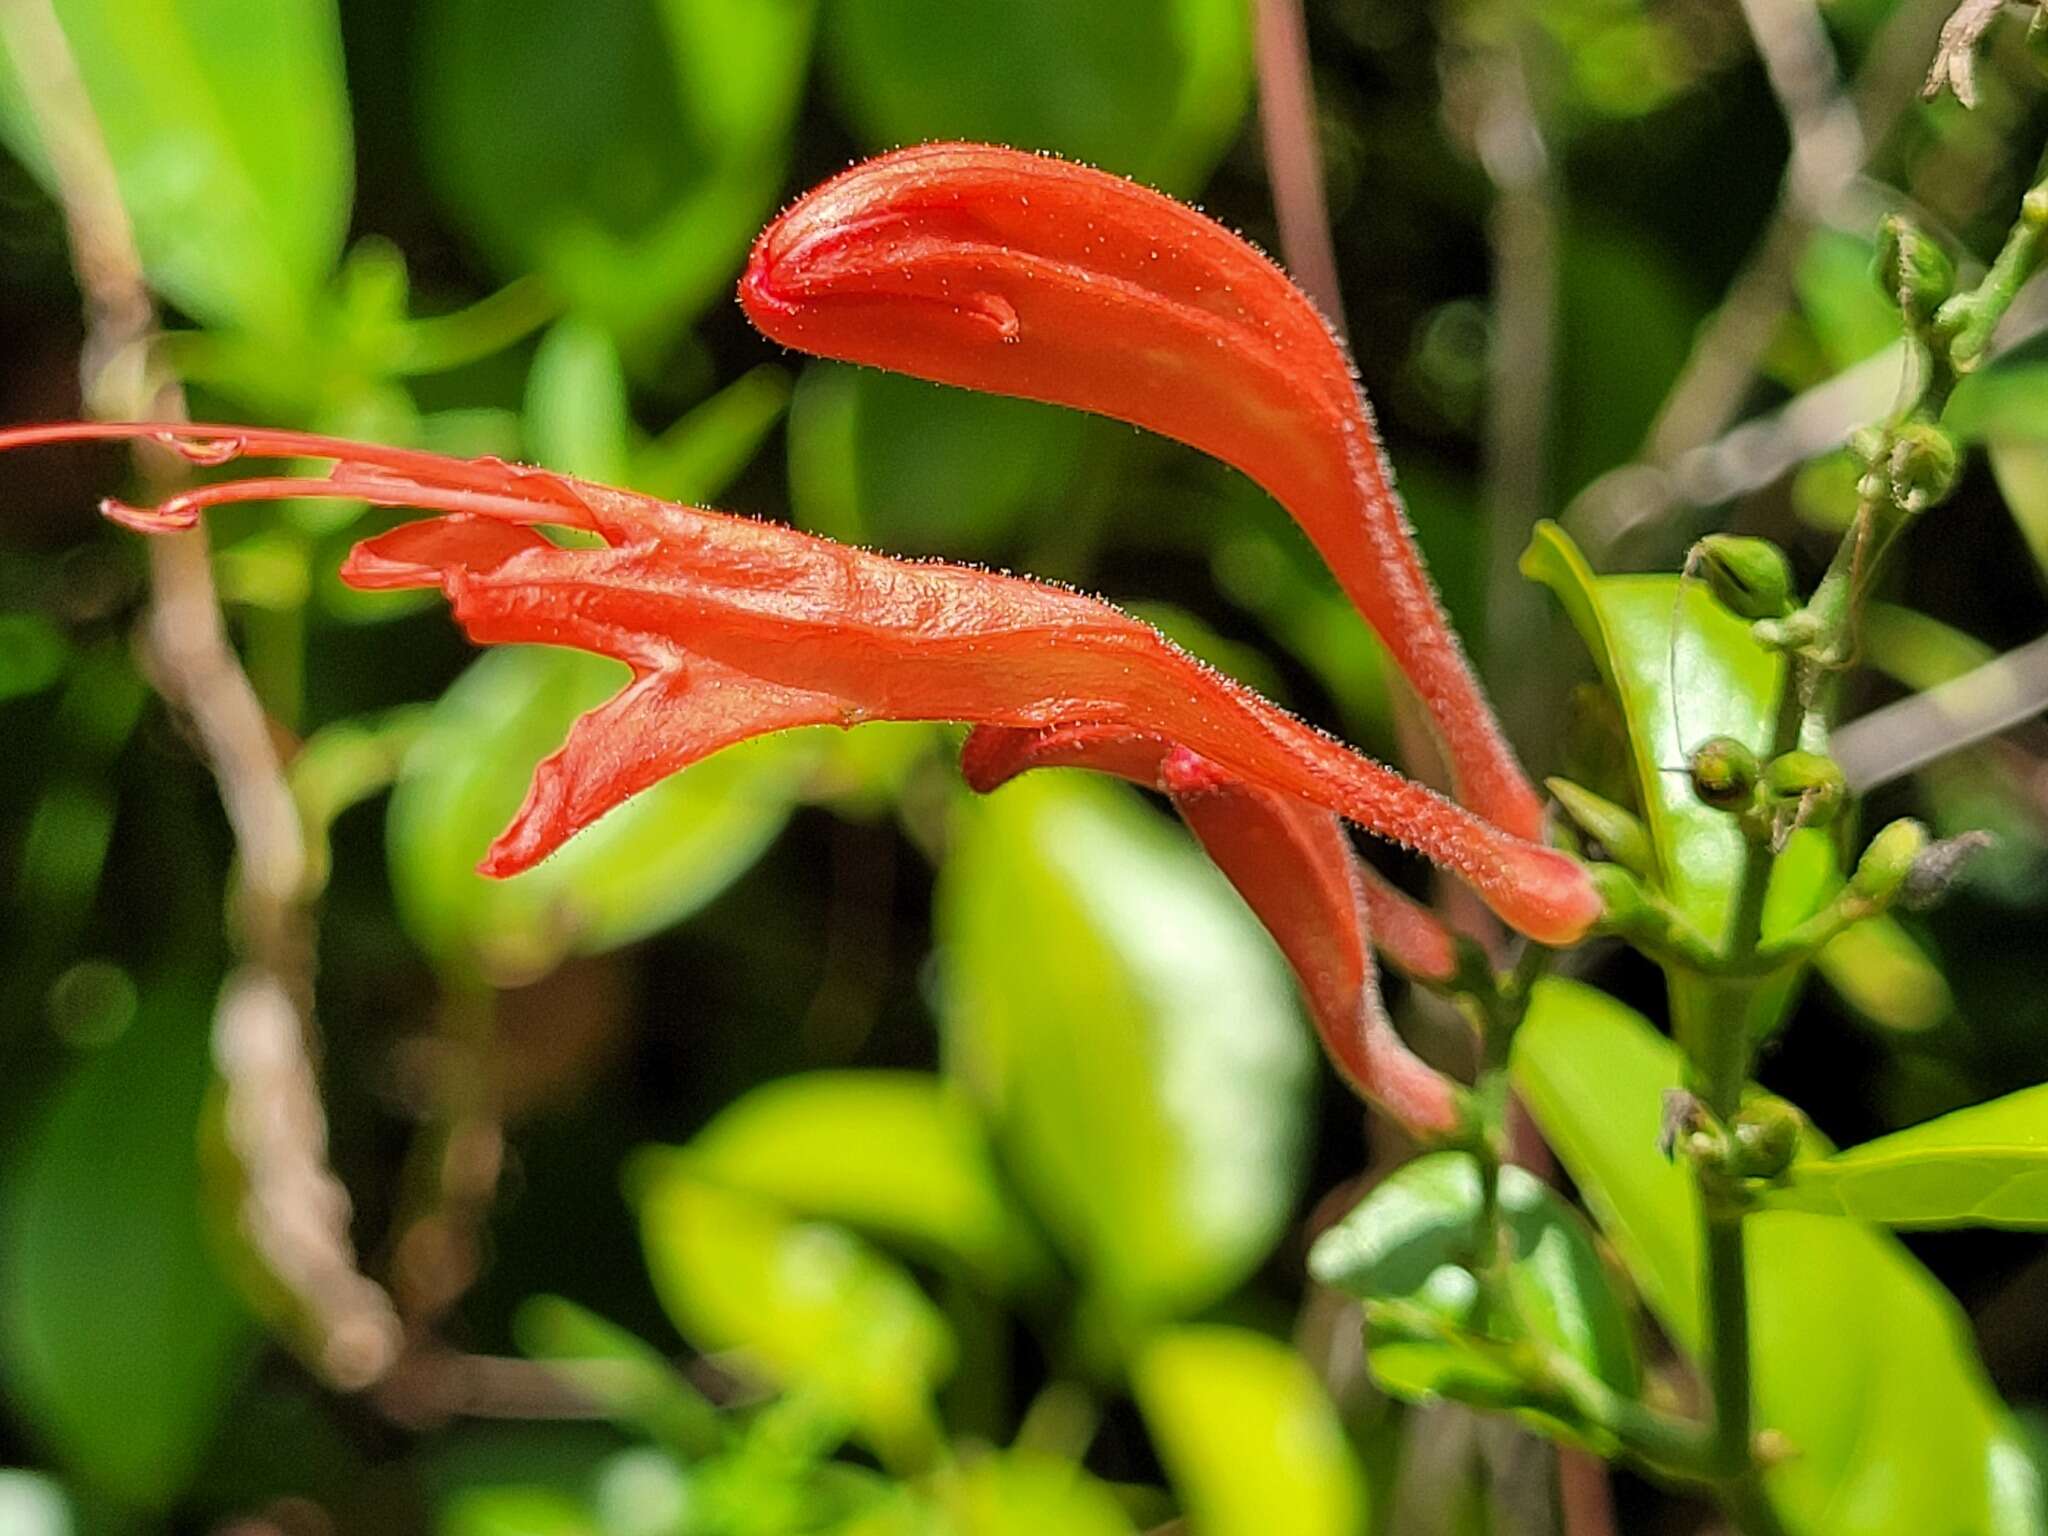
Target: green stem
column 1723, row 1069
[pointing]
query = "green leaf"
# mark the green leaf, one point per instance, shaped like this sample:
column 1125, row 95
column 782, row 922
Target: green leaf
column 1151, row 88
column 1880, row 970
column 898, row 1153
column 1249, row 1435
column 1850, row 317
column 515, row 1511
column 1684, row 669
column 33, row 654
column 881, row 459
column 1409, row 1252
column 803, row 1305
column 1982, row 1166
column 1022, row 1493
column 119, row 1340
column 627, row 152
column 625, row 1374
column 699, row 455
column 227, row 122
column 1131, row 1035
column 1862, row 1361
column 2021, row 469
column 577, row 419
column 644, row 867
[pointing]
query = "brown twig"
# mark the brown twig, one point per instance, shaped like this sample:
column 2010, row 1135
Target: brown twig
column 294, row 1211
column 1294, row 155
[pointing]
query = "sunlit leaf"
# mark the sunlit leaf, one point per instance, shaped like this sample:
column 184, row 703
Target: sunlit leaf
column 898, row 1153
column 1982, row 1166
column 800, row 1304
column 119, row 1341
column 1152, row 88
column 1410, row 1252
column 1130, row 1034
column 1880, row 970
column 1684, row 669
column 1249, row 1435
column 227, row 122
column 516, row 1511
column 1862, row 1361
column 640, row 869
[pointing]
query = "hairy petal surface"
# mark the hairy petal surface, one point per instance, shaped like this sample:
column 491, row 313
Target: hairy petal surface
column 737, row 628
column 1024, row 275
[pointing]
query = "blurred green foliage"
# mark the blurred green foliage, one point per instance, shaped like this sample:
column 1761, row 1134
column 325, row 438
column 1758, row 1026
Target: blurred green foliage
column 810, row 1147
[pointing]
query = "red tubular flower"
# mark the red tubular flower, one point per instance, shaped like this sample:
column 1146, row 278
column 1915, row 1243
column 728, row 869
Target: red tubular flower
column 1294, row 867
column 1024, row 275
column 735, row 628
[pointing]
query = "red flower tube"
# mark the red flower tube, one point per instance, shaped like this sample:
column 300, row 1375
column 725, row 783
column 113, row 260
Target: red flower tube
column 1023, row 275
column 735, row 628
column 1294, row 867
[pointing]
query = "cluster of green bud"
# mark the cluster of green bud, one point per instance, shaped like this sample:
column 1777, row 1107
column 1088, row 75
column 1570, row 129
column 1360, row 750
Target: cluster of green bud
column 1760, row 1143
column 1806, row 787
column 1912, row 466
column 1724, row 773
column 1751, row 577
column 1912, row 269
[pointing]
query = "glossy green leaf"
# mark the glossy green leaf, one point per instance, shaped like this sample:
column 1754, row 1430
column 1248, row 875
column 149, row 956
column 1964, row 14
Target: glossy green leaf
column 1409, row 1252
column 119, row 1340
column 227, row 122
column 899, row 1153
column 803, row 1305
column 1150, row 88
column 577, row 419
column 1250, row 1438
column 1982, row 1166
column 633, row 1381
column 1862, row 1361
column 1130, row 1034
column 627, row 152
column 645, row 866
column 1684, row 669
column 893, row 462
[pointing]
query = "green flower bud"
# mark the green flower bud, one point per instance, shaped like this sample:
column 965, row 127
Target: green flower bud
column 1911, row 269
column 1808, row 784
column 1621, row 894
column 1723, row 773
column 1767, row 1133
column 1888, row 861
column 1924, row 465
column 1619, row 832
column 2037, row 40
column 1751, row 577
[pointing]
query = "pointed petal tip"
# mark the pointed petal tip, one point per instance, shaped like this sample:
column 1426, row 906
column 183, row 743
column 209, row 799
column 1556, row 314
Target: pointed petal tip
column 147, row 519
